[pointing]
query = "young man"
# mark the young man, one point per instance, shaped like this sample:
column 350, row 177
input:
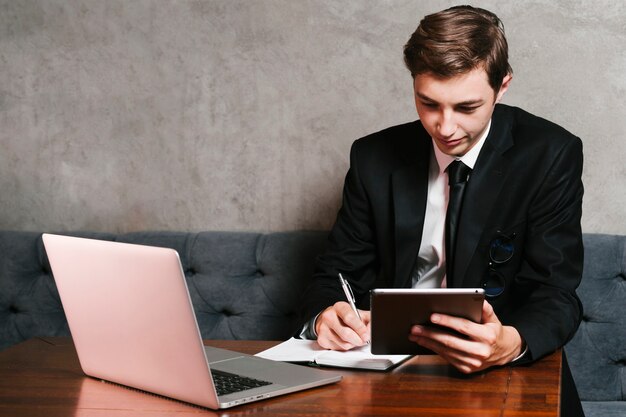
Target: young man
column 518, row 232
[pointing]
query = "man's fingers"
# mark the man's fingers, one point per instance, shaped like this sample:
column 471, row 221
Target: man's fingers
column 469, row 346
column 353, row 322
column 332, row 341
column 339, row 328
column 453, row 349
column 365, row 316
column 489, row 316
column 440, row 340
column 474, row 331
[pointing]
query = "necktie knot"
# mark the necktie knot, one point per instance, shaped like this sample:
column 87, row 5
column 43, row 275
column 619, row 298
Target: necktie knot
column 458, row 172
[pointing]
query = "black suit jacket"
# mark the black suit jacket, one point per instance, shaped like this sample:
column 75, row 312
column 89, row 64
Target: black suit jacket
column 526, row 183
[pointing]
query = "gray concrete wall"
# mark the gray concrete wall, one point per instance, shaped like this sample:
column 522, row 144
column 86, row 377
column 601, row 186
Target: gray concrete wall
column 238, row 115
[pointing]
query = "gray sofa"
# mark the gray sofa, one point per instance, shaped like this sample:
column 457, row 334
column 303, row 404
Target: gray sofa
column 242, row 285
column 597, row 353
column 247, row 286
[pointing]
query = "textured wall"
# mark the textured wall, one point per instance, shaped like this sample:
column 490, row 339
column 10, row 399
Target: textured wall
column 237, row 115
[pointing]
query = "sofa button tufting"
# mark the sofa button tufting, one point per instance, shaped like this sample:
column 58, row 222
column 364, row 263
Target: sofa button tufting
column 13, row 309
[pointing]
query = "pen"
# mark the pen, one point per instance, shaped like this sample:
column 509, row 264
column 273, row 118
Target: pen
column 349, row 294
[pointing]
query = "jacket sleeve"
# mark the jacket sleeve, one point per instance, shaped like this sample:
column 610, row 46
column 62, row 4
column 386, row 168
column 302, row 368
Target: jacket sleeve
column 351, row 250
column 553, row 257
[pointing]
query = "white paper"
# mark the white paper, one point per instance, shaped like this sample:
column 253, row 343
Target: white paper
column 293, row 350
column 299, row 350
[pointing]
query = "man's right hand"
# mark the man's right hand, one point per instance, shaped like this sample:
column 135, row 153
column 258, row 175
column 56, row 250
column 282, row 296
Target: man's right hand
column 339, row 328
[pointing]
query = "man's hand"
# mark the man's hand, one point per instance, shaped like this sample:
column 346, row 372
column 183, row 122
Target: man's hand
column 339, row 328
column 486, row 344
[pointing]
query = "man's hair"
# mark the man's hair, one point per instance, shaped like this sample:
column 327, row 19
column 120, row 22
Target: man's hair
column 456, row 41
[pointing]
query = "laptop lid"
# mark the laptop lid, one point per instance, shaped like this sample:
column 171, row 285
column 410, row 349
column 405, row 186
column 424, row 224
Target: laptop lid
column 132, row 321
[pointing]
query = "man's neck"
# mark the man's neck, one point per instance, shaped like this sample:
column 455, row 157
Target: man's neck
column 469, row 158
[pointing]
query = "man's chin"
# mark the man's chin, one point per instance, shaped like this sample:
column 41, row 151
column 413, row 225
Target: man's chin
column 453, row 148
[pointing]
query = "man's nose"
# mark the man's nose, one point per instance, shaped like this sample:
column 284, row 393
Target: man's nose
column 446, row 125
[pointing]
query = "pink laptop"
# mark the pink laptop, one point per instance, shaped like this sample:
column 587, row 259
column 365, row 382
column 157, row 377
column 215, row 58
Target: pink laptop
column 132, row 322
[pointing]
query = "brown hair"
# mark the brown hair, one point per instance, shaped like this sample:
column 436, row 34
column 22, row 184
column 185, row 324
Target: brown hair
column 457, row 40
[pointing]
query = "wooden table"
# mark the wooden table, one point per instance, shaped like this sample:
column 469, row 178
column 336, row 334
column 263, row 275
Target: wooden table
column 42, row 377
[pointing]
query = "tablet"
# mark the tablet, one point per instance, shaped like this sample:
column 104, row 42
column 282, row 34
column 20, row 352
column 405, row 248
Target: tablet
column 394, row 311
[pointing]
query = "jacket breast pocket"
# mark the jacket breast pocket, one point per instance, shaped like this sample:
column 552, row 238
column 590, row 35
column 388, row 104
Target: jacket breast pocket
column 504, row 250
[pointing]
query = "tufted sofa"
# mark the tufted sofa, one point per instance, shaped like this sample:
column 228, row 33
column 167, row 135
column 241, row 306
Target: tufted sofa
column 242, row 285
column 247, row 286
column 597, row 353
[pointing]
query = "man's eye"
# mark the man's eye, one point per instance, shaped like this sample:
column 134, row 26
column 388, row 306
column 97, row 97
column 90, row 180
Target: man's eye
column 467, row 109
column 430, row 105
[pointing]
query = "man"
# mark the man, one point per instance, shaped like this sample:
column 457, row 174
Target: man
column 518, row 233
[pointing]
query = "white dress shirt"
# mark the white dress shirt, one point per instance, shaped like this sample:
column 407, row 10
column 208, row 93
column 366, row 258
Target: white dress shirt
column 431, row 267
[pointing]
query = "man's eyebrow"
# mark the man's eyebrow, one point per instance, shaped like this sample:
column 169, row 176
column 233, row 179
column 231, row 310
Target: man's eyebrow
column 424, row 97
column 473, row 102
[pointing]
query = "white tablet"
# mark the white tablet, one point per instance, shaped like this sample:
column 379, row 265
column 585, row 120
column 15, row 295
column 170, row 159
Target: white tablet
column 395, row 310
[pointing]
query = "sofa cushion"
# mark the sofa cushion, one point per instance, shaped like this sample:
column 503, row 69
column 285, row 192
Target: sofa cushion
column 29, row 301
column 242, row 285
column 604, row 408
column 597, row 353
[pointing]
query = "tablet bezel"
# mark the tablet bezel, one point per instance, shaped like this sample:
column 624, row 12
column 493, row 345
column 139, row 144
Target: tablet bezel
column 395, row 310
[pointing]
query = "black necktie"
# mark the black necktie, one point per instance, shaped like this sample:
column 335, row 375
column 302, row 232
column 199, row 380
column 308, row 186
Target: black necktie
column 458, row 173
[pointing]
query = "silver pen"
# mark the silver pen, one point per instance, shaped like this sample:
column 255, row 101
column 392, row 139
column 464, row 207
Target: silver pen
column 349, row 294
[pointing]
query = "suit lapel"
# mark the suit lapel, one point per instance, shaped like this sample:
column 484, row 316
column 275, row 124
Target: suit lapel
column 481, row 195
column 410, row 188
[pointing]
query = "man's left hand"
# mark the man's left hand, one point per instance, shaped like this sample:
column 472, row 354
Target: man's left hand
column 486, row 344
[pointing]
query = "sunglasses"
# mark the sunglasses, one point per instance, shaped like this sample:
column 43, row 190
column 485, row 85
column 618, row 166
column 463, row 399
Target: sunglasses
column 501, row 251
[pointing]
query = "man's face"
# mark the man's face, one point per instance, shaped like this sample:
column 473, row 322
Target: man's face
column 456, row 111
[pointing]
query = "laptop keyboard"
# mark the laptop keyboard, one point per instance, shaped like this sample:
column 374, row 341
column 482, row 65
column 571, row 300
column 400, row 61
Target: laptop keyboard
column 227, row 383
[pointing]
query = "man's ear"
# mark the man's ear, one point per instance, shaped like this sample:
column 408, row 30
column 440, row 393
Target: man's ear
column 506, row 81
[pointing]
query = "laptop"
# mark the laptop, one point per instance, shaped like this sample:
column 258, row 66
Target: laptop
column 132, row 323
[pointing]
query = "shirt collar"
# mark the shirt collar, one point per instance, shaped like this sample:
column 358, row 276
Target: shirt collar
column 469, row 159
